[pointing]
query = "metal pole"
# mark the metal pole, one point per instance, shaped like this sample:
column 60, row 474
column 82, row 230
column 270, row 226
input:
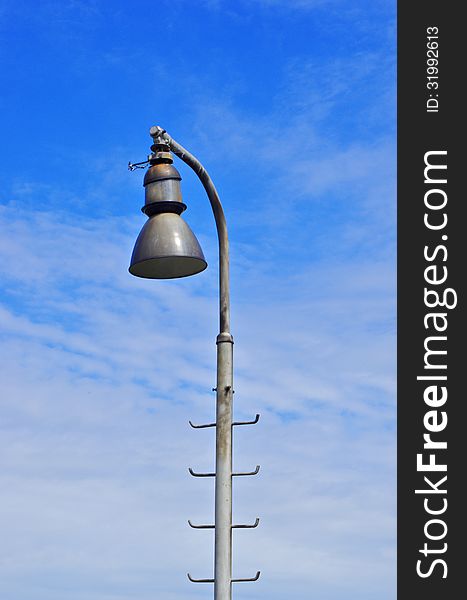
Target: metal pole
column 223, row 500
column 224, row 396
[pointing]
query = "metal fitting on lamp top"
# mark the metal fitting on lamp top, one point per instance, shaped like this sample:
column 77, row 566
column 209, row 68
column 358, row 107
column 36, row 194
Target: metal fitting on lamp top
column 166, row 247
column 162, row 186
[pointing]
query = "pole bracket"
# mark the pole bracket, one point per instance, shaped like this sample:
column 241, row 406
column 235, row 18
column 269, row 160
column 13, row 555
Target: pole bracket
column 255, row 472
column 200, row 474
column 201, row 426
column 199, row 580
column 255, row 578
column 255, row 524
column 200, row 526
column 255, row 420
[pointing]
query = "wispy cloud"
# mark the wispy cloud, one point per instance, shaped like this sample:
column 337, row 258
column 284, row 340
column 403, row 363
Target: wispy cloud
column 98, row 384
column 101, row 371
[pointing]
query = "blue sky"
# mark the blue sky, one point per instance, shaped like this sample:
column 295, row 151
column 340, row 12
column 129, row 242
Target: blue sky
column 291, row 107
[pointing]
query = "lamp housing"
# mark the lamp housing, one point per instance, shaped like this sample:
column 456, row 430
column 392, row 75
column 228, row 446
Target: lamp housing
column 166, row 248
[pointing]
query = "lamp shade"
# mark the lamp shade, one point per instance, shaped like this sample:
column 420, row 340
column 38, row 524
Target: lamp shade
column 166, row 248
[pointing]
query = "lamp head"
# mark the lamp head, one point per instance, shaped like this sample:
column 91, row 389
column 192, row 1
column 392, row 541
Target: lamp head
column 166, row 247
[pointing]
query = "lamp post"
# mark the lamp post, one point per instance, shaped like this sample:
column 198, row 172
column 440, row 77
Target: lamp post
column 166, row 248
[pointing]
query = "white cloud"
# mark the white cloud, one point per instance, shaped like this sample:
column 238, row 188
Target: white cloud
column 98, row 383
column 101, row 371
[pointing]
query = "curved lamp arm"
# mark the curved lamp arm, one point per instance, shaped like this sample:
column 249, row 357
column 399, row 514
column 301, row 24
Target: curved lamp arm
column 157, row 133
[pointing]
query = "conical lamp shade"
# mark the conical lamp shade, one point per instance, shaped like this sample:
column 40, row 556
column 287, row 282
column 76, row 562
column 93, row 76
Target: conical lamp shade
column 166, row 248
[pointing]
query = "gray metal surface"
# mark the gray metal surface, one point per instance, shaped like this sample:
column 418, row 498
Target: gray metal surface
column 224, row 389
column 166, row 248
column 224, row 341
column 223, row 499
column 162, row 184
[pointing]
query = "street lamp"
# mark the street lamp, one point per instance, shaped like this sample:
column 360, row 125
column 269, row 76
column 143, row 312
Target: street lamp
column 166, row 248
